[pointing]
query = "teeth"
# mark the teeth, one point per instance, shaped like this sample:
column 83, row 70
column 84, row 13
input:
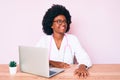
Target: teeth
column 62, row 27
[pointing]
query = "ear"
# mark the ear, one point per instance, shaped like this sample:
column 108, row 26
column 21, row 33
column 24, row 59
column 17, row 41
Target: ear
column 52, row 27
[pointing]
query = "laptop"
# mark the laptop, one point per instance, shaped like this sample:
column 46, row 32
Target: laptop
column 35, row 60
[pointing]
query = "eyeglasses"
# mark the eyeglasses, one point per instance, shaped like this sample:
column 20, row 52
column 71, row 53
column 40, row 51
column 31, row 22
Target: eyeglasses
column 60, row 22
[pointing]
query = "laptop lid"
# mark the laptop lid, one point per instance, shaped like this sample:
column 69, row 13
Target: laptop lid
column 35, row 60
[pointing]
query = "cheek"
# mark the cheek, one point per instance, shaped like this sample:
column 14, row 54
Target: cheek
column 54, row 26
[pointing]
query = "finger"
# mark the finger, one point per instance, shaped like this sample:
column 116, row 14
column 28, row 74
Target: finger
column 82, row 75
column 85, row 75
column 66, row 65
column 62, row 65
column 79, row 75
column 76, row 72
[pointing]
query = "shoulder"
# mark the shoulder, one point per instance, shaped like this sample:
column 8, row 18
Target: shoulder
column 72, row 39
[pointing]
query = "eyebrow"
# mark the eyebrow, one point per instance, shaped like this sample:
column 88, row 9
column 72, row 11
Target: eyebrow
column 60, row 19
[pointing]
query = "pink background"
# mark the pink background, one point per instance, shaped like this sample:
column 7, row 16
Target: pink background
column 95, row 22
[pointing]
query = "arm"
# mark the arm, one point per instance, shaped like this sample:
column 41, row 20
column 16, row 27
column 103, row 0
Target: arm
column 83, row 59
column 80, row 54
column 59, row 64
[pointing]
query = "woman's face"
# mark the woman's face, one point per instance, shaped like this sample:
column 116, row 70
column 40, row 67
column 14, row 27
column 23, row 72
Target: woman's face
column 59, row 24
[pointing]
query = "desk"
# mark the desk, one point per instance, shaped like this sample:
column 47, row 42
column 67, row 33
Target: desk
column 96, row 72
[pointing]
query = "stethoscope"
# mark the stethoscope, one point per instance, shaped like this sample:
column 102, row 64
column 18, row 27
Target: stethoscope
column 65, row 47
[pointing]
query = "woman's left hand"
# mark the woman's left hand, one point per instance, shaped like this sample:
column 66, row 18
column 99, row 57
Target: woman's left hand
column 81, row 72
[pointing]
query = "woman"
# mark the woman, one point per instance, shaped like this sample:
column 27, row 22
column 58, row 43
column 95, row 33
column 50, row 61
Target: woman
column 62, row 46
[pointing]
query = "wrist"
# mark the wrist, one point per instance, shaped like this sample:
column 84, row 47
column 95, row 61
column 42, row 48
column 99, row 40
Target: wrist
column 83, row 66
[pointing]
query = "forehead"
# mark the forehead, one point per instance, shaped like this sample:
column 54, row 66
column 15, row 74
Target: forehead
column 60, row 17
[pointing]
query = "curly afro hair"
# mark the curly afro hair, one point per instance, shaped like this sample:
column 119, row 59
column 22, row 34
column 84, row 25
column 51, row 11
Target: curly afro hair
column 49, row 16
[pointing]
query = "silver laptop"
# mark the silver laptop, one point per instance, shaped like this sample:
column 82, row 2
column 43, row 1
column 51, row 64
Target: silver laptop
column 35, row 60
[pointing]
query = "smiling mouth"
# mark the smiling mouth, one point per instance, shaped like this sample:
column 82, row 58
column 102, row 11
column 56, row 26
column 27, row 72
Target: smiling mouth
column 62, row 27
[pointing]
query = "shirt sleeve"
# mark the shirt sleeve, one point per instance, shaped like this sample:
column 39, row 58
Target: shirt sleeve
column 80, row 54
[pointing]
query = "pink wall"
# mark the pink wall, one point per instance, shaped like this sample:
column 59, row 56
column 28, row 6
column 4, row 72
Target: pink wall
column 95, row 22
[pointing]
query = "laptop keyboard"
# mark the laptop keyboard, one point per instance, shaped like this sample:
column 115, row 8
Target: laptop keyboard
column 52, row 72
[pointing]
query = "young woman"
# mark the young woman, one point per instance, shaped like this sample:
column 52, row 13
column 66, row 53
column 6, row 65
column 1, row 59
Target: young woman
column 62, row 46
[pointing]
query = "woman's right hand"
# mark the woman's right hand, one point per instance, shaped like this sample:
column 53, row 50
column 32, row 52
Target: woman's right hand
column 59, row 64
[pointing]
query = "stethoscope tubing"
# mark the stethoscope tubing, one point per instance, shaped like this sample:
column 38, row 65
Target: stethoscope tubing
column 67, row 45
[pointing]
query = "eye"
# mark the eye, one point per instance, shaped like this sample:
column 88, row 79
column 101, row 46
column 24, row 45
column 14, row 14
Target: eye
column 59, row 21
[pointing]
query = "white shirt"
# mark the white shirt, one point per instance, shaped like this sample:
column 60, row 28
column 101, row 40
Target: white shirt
column 70, row 46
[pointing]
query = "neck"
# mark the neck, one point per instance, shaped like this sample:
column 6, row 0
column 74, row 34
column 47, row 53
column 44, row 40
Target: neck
column 58, row 36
